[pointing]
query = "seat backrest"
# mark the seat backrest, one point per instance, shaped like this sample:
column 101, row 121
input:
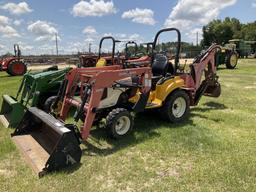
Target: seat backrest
column 101, row 62
column 160, row 65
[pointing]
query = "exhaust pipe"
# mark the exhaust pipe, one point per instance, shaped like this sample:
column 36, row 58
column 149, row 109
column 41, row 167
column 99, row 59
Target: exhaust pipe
column 46, row 143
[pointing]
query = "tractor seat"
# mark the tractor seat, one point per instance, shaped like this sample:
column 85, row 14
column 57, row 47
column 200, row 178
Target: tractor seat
column 160, row 68
column 101, row 62
column 160, row 65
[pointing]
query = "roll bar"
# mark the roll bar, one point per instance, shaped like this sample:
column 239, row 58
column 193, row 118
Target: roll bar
column 131, row 43
column 113, row 46
column 148, row 46
column 178, row 46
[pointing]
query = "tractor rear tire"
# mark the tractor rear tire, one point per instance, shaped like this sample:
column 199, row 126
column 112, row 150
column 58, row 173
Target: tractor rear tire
column 176, row 107
column 231, row 60
column 16, row 68
column 119, row 123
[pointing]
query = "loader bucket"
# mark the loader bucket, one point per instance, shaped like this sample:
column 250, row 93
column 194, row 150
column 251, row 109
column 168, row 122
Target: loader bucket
column 45, row 142
column 11, row 111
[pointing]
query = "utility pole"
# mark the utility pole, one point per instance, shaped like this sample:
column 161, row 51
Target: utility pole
column 57, row 48
column 90, row 46
column 197, row 38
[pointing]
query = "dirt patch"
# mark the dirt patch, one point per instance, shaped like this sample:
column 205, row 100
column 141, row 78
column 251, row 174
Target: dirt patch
column 6, row 169
column 250, row 87
column 170, row 172
column 7, row 173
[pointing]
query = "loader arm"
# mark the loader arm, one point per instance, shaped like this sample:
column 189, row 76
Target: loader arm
column 98, row 80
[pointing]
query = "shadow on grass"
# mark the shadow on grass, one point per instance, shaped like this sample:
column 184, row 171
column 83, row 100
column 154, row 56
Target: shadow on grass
column 209, row 106
column 145, row 128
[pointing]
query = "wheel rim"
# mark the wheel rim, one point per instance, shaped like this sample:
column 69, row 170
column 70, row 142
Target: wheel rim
column 122, row 125
column 233, row 60
column 18, row 68
column 179, row 107
column 57, row 109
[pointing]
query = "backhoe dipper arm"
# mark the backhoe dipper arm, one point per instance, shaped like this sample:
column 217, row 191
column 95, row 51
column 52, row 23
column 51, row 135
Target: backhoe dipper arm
column 206, row 64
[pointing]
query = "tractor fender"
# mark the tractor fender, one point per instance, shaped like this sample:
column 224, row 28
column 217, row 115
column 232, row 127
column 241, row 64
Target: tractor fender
column 168, row 87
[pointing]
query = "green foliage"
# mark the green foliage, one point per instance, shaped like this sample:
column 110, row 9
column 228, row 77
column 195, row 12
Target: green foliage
column 249, row 32
column 218, row 31
column 170, row 47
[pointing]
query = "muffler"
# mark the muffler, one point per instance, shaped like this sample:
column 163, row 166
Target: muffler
column 11, row 112
column 46, row 143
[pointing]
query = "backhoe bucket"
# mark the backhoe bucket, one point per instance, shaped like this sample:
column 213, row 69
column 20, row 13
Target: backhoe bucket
column 45, row 142
column 11, row 111
column 213, row 90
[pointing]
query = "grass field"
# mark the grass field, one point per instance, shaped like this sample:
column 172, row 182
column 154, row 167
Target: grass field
column 215, row 150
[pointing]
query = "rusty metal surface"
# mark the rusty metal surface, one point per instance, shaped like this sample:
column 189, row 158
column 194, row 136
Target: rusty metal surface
column 34, row 153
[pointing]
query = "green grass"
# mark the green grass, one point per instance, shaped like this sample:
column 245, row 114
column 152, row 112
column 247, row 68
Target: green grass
column 215, row 150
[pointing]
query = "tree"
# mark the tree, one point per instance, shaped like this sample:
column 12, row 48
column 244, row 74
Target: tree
column 249, row 31
column 220, row 32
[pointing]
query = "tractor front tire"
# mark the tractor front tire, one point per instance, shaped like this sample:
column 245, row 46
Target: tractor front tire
column 48, row 104
column 231, row 60
column 119, row 123
column 16, row 68
column 176, row 107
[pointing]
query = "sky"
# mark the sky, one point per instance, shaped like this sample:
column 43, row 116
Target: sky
column 34, row 24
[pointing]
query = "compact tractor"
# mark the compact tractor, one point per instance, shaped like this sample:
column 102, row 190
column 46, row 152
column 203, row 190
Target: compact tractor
column 14, row 65
column 113, row 94
column 92, row 60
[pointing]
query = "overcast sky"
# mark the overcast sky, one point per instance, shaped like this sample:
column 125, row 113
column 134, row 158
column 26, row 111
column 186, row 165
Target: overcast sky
column 34, row 23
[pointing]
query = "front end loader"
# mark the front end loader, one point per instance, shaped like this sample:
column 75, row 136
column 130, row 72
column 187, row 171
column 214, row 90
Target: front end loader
column 34, row 90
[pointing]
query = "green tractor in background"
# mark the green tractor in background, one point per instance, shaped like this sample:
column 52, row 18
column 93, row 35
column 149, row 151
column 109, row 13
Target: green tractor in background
column 37, row 89
column 244, row 48
column 228, row 56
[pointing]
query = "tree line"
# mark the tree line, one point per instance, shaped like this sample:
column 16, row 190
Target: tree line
column 221, row 31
